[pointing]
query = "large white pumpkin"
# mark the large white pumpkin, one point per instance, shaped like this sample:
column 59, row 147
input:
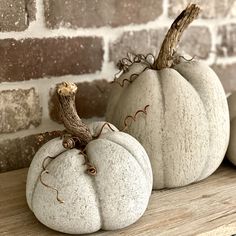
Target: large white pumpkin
column 114, row 198
column 231, row 152
column 186, row 129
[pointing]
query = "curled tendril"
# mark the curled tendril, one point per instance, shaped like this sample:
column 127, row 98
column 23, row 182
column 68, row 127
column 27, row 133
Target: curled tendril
column 125, row 63
column 188, row 59
column 103, row 126
column 91, row 169
column 122, row 83
column 48, row 186
column 176, row 59
column 133, row 77
column 126, row 125
column 43, row 164
column 45, row 171
column 133, row 118
column 68, row 143
column 130, row 80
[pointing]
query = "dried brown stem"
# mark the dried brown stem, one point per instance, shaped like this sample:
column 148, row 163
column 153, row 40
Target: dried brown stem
column 66, row 95
column 170, row 43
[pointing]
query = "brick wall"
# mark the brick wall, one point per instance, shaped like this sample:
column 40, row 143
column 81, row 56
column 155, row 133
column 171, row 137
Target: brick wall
column 44, row 42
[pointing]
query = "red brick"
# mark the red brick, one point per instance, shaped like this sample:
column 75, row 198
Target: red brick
column 150, row 41
column 227, row 47
column 16, row 15
column 18, row 153
column 90, row 13
column 142, row 42
column 226, row 74
column 35, row 58
column 19, row 109
column 209, row 9
column 196, row 41
column 91, row 100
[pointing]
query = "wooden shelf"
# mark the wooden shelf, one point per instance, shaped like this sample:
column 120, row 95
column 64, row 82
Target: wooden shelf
column 205, row 208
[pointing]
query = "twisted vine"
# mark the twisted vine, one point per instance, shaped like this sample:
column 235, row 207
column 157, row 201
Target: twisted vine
column 125, row 63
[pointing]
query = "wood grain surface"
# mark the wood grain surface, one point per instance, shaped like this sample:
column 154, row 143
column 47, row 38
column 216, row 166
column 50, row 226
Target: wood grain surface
column 205, row 208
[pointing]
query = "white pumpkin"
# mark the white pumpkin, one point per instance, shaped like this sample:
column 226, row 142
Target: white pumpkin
column 231, row 152
column 186, row 129
column 114, row 198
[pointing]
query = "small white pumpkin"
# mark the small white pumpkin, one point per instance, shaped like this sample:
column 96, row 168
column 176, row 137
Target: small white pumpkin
column 231, row 152
column 67, row 199
column 186, row 129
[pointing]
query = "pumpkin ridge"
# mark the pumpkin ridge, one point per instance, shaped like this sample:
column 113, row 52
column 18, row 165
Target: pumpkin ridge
column 118, row 144
column 125, row 75
column 38, row 179
column 55, row 170
column 36, row 161
column 144, row 83
column 207, row 117
column 103, row 141
column 52, row 162
column 163, row 124
column 175, row 172
column 213, row 108
column 95, row 188
column 108, row 138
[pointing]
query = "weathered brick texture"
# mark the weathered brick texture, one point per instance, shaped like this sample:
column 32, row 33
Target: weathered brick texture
column 227, row 75
column 15, row 15
column 196, row 41
column 19, row 109
column 91, row 100
column 227, row 35
column 90, row 13
column 37, row 52
column 18, row 153
column 35, row 58
column 210, row 9
column 137, row 42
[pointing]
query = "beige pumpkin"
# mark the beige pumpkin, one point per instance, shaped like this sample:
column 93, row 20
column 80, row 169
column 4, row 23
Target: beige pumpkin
column 103, row 180
column 231, row 152
column 186, row 129
column 114, row 198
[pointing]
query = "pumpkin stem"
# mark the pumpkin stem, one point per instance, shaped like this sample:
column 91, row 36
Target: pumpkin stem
column 66, row 96
column 171, row 40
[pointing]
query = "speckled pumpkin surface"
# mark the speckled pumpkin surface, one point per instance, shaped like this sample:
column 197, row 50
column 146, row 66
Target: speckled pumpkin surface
column 231, row 152
column 186, row 129
column 114, row 198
